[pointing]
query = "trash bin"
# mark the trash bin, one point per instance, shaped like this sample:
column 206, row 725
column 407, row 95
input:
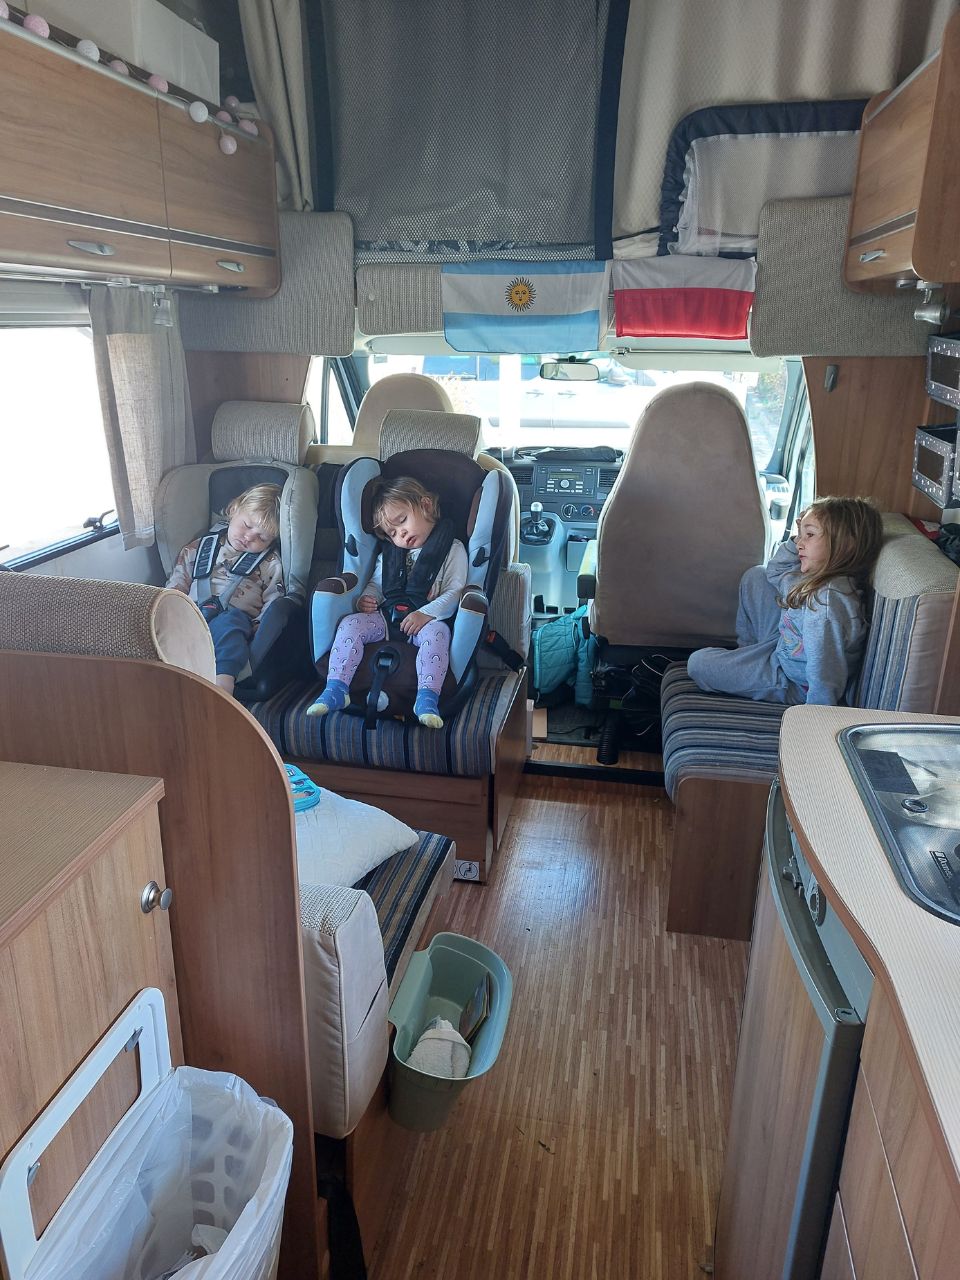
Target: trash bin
column 190, row 1184
column 440, row 982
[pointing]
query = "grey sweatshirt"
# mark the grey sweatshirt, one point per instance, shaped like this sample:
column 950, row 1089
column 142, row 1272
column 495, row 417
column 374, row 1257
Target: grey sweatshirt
column 821, row 644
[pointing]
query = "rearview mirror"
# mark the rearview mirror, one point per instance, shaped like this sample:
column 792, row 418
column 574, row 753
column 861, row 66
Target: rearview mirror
column 569, row 371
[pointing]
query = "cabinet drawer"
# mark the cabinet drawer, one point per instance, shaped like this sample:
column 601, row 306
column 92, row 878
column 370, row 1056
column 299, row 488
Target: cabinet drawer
column 75, row 137
column 210, row 194
column 837, row 1263
column 881, row 258
column 878, row 1241
column 200, row 264
column 44, row 243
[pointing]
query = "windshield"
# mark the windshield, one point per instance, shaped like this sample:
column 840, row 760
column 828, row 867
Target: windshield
column 517, row 407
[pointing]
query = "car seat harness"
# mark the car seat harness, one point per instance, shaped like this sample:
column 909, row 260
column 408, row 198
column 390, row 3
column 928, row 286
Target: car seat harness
column 405, row 581
column 243, row 567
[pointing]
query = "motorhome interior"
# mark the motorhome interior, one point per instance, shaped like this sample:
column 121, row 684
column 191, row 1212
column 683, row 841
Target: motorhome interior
column 625, row 287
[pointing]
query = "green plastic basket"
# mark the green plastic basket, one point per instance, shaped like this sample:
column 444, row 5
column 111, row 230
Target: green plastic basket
column 439, row 982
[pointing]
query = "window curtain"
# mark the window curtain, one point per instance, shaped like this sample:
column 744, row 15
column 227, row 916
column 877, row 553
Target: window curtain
column 141, row 372
column 689, row 54
column 275, row 43
column 464, row 132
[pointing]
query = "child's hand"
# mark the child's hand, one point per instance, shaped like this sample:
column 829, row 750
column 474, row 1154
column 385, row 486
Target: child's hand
column 415, row 622
column 367, row 604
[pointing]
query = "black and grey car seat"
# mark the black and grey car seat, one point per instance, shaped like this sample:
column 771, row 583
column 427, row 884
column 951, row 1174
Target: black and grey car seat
column 480, row 505
column 252, row 443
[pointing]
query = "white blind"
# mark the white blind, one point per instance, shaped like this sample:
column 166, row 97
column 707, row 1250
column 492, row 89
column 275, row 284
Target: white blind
column 29, row 304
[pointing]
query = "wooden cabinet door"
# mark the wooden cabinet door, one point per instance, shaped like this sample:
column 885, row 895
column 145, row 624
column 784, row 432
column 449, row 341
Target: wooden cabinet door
column 221, row 209
column 837, row 1263
column 79, row 161
column 64, row 978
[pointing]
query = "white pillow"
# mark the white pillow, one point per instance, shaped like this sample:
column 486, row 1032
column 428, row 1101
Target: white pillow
column 340, row 840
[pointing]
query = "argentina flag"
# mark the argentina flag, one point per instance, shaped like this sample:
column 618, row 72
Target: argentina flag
column 524, row 308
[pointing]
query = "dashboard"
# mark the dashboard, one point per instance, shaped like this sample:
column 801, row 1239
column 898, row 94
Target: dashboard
column 574, row 489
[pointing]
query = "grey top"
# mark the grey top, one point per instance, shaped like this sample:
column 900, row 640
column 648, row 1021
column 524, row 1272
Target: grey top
column 821, row 644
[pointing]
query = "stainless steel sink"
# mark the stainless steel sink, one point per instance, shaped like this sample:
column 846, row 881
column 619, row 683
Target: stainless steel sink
column 909, row 779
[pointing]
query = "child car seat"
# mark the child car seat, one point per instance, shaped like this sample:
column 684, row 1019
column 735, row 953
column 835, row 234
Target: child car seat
column 479, row 503
column 252, row 443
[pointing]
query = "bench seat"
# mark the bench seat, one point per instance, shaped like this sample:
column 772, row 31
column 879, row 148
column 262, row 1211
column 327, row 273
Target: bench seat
column 720, row 753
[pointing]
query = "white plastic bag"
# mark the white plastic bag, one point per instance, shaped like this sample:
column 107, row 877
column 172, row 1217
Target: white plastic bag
column 202, row 1148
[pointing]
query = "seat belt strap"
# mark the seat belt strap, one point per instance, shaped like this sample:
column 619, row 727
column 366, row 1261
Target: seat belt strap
column 495, row 642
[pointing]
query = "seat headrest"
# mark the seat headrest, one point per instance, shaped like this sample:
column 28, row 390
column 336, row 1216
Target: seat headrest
column 41, row 614
column 396, row 391
column 258, row 429
column 454, row 478
column 406, row 429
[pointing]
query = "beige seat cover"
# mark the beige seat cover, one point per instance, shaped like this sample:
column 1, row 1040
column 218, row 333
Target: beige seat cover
column 683, row 522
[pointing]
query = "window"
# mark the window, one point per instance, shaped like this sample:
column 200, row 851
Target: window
column 517, row 407
column 52, row 443
column 325, row 400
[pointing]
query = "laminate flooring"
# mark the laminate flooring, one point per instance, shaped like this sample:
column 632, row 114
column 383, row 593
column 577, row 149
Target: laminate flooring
column 592, row 1149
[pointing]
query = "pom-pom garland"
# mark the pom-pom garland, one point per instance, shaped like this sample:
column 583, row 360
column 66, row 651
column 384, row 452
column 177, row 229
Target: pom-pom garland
column 231, row 101
column 224, row 117
column 199, row 112
column 158, row 83
column 39, row 26
column 89, row 50
column 249, row 127
column 228, row 145
column 118, row 65
column 4, row 10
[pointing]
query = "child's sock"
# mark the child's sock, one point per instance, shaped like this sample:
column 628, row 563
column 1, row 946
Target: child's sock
column 427, row 710
column 334, row 698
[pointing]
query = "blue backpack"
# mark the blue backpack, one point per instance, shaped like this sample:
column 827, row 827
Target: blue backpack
column 564, row 652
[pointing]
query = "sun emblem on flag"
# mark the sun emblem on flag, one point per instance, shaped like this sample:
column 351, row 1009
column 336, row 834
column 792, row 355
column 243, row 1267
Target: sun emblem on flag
column 520, row 294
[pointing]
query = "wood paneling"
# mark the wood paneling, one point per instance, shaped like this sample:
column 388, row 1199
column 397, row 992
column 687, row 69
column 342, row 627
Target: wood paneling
column 230, row 859
column 926, row 1190
column 717, row 840
column 76, row 852
column 592, row 1148
column 216, row 376
column 878, row 1242
column 35, row 241
column 778, row 1060
column 196, row 173
column 837, row 1263
column 102, row 155
column 863, row 430
column 510, row 757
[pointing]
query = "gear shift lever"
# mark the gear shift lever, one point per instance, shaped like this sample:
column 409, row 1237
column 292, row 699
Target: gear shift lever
column 537, row 523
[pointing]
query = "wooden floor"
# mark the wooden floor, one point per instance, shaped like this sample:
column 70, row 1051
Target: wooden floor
column 592, row 1149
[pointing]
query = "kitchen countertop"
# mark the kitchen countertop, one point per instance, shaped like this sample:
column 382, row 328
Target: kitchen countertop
column 914, row 954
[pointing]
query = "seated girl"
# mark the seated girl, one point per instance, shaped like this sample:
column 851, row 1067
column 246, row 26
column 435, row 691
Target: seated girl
column 242, row 578
column 801, row 625
column 407, row 518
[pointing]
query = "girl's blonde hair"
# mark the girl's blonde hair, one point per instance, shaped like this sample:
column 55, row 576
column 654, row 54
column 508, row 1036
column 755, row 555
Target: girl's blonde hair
column 403, row 492
column 853, row 531
column 260, row 503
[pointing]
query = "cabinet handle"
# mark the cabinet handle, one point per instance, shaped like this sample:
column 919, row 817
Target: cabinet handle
column 873, row 255
column 229, row 265
column 96, row 247
column 153, row 896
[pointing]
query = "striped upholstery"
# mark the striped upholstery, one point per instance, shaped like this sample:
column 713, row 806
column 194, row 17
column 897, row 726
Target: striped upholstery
column 399, row 888
column 464, row 748
column 711, row 735
column 404, row 430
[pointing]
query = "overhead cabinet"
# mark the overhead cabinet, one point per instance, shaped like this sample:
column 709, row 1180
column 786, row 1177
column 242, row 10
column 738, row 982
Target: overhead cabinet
column 905, row 214
column 101, row 176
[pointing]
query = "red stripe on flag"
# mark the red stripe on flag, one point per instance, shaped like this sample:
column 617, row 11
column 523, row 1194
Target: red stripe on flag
column 681, row 313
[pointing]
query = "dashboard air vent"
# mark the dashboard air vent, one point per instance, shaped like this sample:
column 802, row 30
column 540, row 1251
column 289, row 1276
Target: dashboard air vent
column 522, row 475
column 608, row 477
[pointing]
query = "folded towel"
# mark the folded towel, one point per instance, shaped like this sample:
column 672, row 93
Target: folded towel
column 441, row 1051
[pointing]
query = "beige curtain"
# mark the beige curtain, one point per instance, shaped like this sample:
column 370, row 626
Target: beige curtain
column 700, row 53
column 275, row 42
column 145, row 400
